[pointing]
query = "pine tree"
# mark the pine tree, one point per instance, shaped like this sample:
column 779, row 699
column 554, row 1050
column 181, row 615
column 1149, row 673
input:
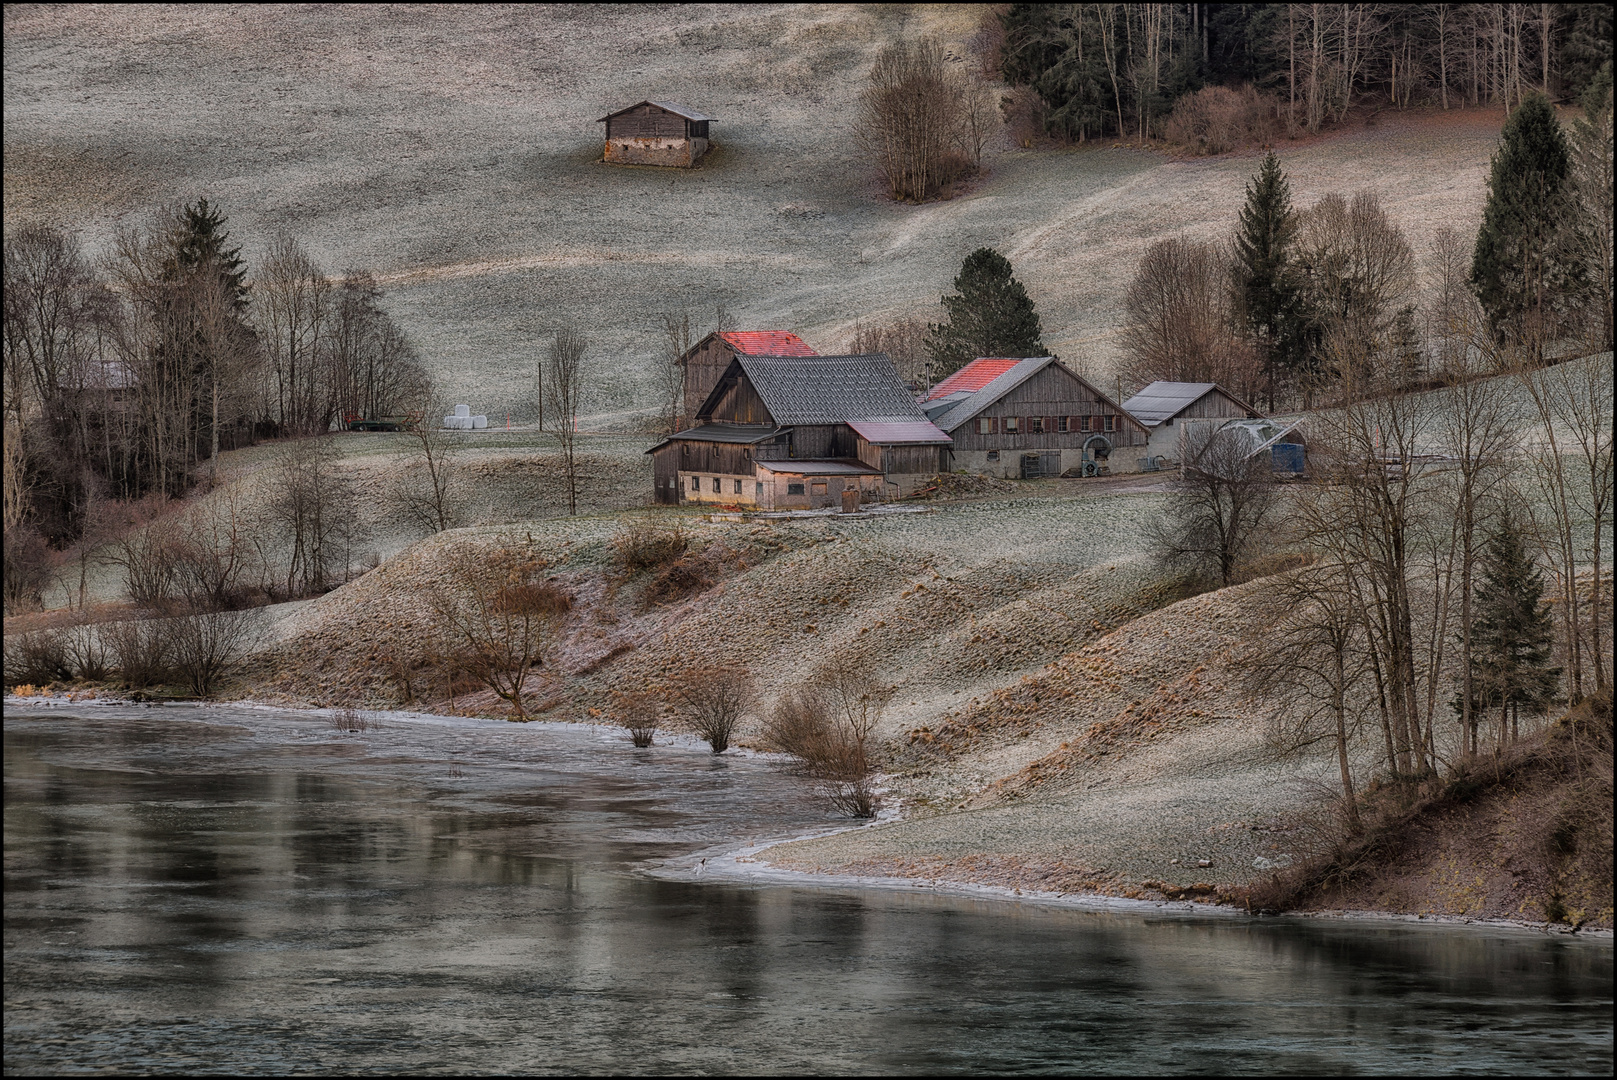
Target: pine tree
column 1263, row 253
column 1511, row 635
column 1526, row 268
column 989, row 315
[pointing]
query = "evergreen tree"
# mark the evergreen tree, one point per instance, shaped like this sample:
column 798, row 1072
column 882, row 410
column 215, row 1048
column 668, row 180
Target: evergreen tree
column 199, row 241
column 1268, row 284
column 1511, row 634
column 1526, row 268
column 989, row 315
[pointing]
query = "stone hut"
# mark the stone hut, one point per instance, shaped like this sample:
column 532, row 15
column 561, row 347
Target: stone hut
column 656, row 133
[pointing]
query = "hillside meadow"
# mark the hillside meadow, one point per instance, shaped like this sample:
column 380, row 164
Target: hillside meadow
column 454, row 152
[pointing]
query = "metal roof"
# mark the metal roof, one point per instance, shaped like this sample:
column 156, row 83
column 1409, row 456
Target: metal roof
column 667, row 106
column 813, row 467
column 895, row 432
column 744, row 434
column 974, row 376
column 767, row 343
column 1165, row 400
column 824, row 389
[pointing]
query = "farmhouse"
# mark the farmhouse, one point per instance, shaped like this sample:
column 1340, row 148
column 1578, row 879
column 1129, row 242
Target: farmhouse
column 1163, row 407
column 655, row 133
column 1031, row 418
column 708, row 359
column 801, row 432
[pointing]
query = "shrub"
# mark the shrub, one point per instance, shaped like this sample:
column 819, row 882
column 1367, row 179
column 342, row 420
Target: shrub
column 1217, row 119
column 28, row 565
column 645, row 545
column 38, row 657
column 205, row 644
column 139, row 650
column 87, row 653
column 639, row 713
column 827, row 727
column 678, row 580
column 711, row 701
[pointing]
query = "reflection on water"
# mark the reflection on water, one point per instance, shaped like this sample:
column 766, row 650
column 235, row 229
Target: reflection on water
column 237, row 891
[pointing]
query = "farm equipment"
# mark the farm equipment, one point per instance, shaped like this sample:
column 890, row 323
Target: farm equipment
column 404, row 422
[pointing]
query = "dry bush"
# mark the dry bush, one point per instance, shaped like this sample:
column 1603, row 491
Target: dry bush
column 87, row 653
column 639, row 712
column 204, row 645
column 646, row 545
column 504, row 617
column 921, row 123
column 140, row 652
column 828, row 727
column 1217, row 119
column 902, row 339
column 37, row 658
column 710, row 701
column 1026, row 116
column 350, row 719
column 29, row 563
column 147, row 552
column 677, row 580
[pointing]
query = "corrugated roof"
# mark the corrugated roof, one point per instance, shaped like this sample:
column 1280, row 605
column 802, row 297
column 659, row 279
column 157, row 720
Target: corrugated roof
column 1164, row 400
column 676, row 109
column 767, row 343
column 997, row 387
column 894, row 432
column 974, row 376
column 819, row 467
column 828, row 389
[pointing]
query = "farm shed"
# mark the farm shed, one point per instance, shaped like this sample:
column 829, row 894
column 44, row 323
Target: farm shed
column 801, row 432
column 1163, row 405
column 655, row 133
column 705, row 361
column 1030, row 418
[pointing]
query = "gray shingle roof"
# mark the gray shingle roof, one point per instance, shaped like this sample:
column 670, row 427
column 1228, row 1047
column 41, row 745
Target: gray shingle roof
column 828, row 389
column 1165, row 400
column 673, row 107
column 996, row 388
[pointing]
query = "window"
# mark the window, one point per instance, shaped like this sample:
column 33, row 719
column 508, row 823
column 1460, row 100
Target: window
column 1083, row 423
column 1063, row 423
column 1035, row 425
column 818, row 488
column 716, row 485
column 760, row 491
column 696, row 483
column 1013, row 424
column 738, row 487
column 993, row 455
column 794, row 489
column 1109, row 422
column 985, row 425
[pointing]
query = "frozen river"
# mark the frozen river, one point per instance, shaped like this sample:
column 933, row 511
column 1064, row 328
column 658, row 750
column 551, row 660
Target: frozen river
column 244, row 891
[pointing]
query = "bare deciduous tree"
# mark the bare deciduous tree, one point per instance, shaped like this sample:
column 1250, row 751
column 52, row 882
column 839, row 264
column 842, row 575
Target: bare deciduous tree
column 911, row 118
column 314, row 505
column 1182, row 325
column 202, row 646
column 429, row 486
column 1224, row 500
column 640, row 713
column 903, row 340
column 564, row 389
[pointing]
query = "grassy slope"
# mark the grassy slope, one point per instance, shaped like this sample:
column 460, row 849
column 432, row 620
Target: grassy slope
column 452, row 151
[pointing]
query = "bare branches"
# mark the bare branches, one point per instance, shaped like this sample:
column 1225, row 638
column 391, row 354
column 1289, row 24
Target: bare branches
column 1225, row 497
column 924, row 125
column 1182, row 324
column 564, row 388
column 829, row 726
column 428, row 488
column 711, row 701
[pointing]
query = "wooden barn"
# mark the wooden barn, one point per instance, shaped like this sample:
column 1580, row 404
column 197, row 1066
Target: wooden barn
column 801, row 432
column 1163, row 407
column 656, row 133
column 708, row 359
column 1026, row 418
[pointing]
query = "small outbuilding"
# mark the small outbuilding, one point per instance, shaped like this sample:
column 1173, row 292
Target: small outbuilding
column 1027, row 418
column 656, row 133
column 1163, row 407
column 703, row 363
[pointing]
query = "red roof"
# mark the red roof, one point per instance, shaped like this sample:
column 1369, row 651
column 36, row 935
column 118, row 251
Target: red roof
column 974, row 376
column 767, row 343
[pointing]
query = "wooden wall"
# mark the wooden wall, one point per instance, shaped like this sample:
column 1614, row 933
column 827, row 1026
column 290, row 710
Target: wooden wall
column 1050, row 394
column 741, row 405
column 665, row 475
column 730, row 459
column 1216, row 403
column 702, row 371
column 649, row 122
